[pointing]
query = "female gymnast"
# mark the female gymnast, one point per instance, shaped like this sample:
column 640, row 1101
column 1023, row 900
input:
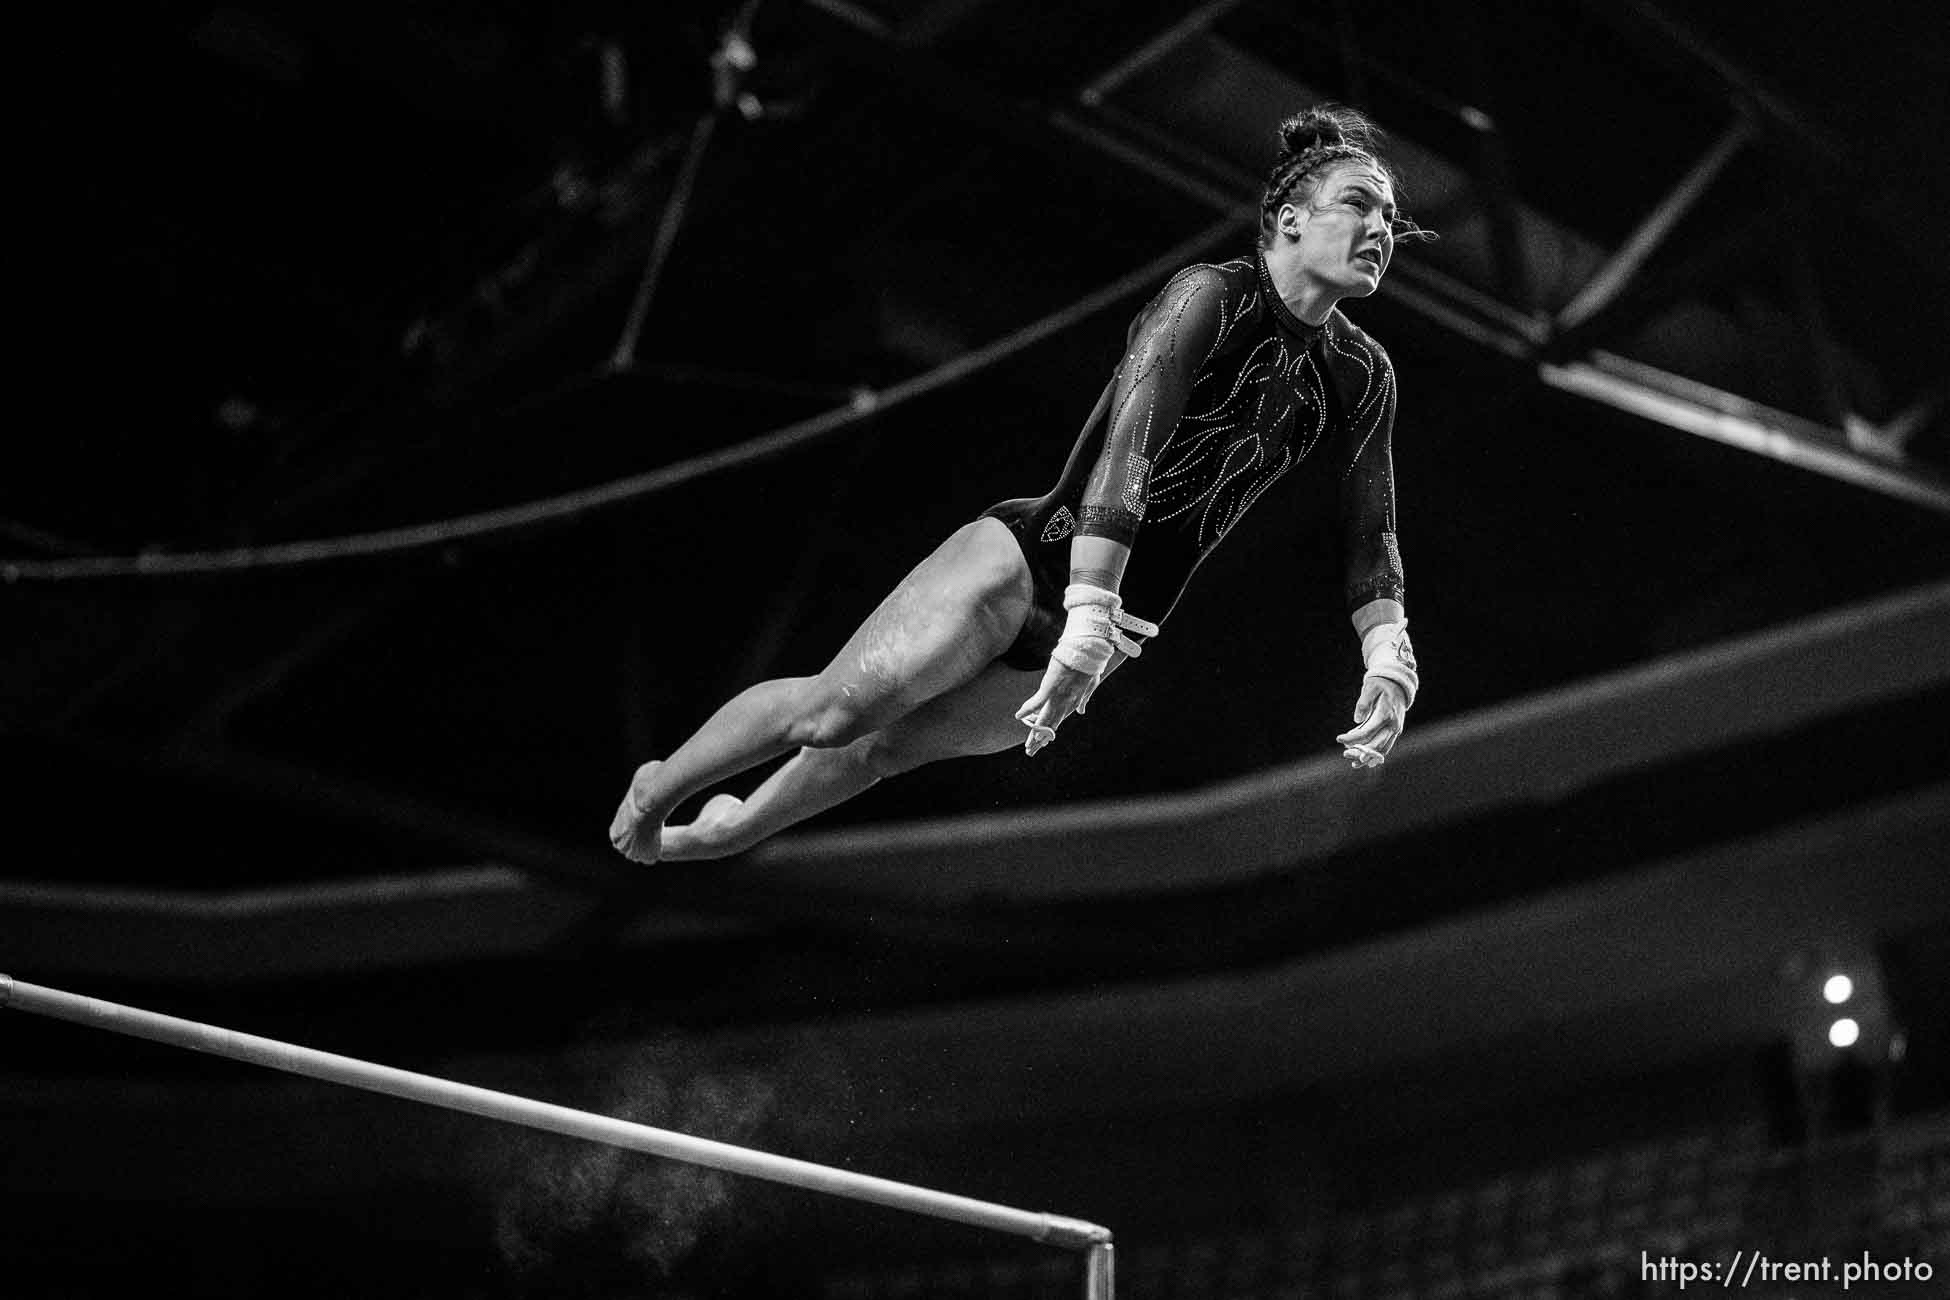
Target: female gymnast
column 1232, row 375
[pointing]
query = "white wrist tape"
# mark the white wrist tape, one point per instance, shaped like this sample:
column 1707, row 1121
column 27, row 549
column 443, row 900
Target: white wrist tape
column 1096, row 626
column 1387, row 653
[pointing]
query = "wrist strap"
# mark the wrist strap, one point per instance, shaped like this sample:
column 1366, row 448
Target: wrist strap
column 1388, row 654
column 1098, row 611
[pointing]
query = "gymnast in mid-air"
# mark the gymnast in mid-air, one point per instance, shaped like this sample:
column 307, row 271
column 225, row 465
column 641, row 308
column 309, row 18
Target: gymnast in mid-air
column 1234, row 374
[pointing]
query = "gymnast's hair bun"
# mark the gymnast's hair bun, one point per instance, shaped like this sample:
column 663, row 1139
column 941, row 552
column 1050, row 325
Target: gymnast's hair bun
column 1325, row 124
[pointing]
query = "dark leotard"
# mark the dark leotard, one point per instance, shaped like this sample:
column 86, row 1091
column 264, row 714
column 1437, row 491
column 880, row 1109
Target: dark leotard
column 1222, row 390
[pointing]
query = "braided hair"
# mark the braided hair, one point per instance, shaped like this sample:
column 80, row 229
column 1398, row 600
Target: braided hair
column 1312, row 141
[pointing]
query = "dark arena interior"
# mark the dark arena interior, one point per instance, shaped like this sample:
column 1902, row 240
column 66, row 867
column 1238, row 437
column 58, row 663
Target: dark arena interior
column 430, row 412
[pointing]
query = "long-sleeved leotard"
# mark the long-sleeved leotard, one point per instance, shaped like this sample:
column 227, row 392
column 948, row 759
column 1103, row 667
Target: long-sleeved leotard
column 1222, row 390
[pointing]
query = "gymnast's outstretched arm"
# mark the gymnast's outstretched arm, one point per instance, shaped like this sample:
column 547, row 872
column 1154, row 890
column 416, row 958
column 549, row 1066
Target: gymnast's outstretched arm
column 1169, row 342
column 1375, row 582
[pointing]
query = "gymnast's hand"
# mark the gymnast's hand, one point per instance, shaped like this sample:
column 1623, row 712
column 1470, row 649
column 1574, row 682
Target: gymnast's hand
column 1117, row 657
column 1379, row 717
column 1063, row 692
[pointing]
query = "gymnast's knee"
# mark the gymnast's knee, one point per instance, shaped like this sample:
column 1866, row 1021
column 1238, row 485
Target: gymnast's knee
column 828, row 720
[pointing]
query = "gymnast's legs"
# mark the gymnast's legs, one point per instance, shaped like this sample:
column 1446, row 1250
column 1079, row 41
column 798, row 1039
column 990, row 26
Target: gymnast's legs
column 977, row 717
column 940, row 629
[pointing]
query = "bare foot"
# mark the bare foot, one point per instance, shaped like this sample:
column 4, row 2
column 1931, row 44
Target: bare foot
column 631, row 831
column 708, row 836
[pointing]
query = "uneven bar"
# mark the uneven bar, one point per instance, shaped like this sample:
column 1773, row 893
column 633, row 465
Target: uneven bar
column 1051, row 1229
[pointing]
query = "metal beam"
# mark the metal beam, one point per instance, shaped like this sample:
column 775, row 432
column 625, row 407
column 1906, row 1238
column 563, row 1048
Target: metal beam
column 1839, row 165
column 1693, row 57
column 1606, row 307
column 1422, row 289
column 1624, row 265
column 1890, row 438
column 1193, row 24
column 862, row 37
column 1040, row 1226
column 1711, row 413
column 1712, row 263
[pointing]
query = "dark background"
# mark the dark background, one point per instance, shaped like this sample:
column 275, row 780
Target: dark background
column 290, row 273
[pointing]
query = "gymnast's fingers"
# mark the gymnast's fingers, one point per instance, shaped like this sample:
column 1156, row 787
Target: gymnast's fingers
column 1369, row 744
column 1365, row 733
column 622, row 826
column 1036, row 702
column 1059, row 694
column 1371, row 691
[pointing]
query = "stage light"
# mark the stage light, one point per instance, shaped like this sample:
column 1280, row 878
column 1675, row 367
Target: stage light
column 1844, row 1032
column 1838, row 989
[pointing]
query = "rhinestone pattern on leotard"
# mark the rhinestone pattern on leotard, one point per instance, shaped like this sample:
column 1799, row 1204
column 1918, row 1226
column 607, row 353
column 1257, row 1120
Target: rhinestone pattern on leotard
column 1222, row 391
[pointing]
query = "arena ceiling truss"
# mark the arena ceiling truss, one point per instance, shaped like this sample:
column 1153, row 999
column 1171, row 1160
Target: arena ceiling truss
column 1508, row 275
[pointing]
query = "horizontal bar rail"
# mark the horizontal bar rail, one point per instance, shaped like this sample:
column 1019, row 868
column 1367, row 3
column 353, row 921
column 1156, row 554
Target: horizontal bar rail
column 1050, row 1229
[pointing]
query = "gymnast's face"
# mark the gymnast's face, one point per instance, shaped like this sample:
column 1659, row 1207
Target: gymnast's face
column 1345, row 232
